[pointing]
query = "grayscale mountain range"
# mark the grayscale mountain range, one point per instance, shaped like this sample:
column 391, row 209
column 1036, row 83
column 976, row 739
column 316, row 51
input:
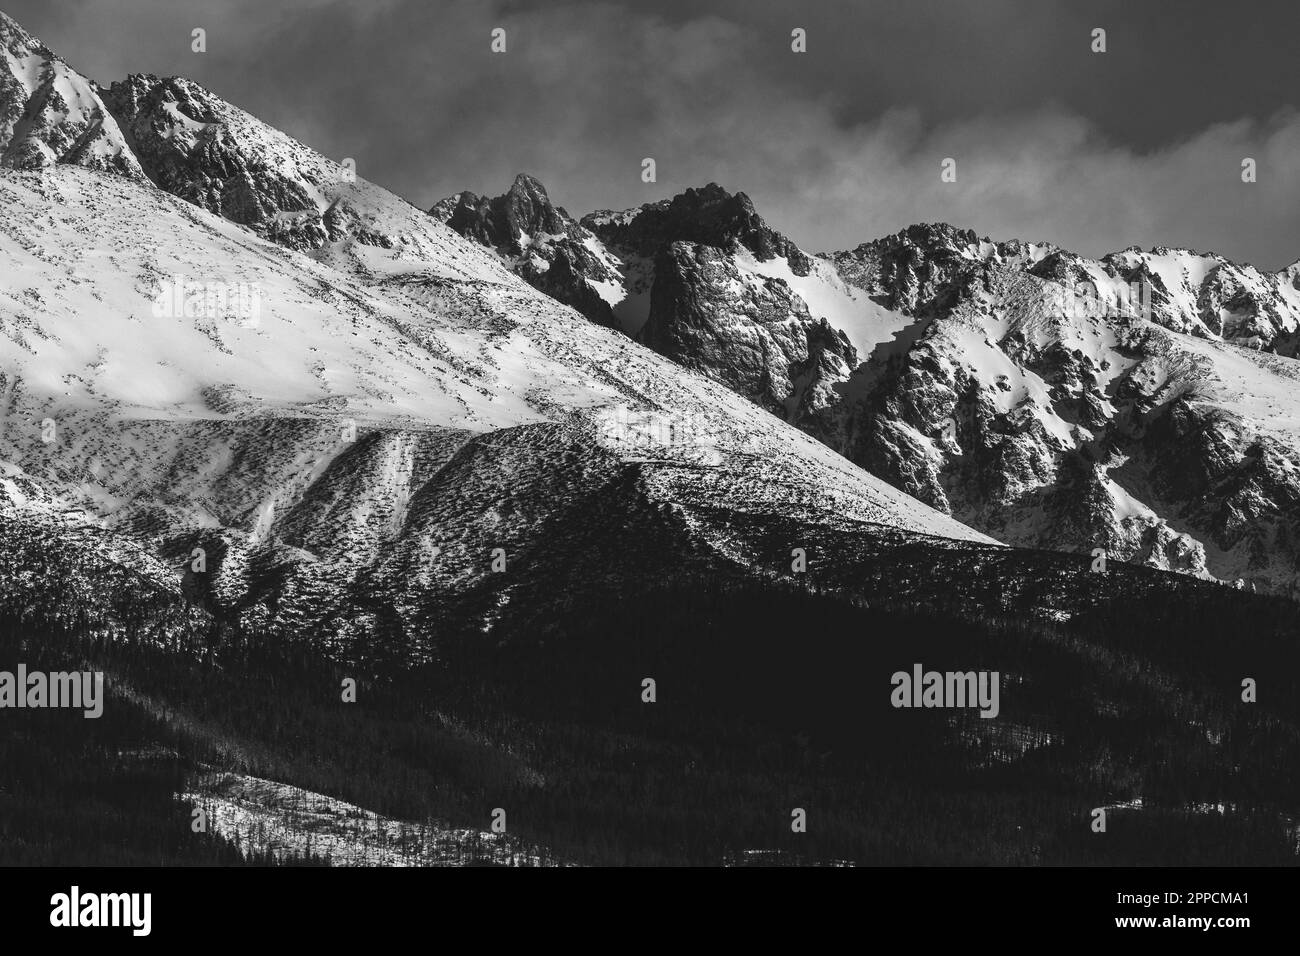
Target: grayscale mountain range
column 451, row 379
column 388, row 525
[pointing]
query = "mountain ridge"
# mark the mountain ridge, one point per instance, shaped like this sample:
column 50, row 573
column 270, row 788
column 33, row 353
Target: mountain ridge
column 837, row 344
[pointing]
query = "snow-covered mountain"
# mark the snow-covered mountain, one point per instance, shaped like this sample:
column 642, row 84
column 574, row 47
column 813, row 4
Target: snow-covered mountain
column 1144, row 403
column 1043, row 415
column 346, row 407
column 1001, row 383
column 266, row 427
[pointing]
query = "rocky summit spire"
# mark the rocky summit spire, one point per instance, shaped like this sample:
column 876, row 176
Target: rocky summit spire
column 511, row 221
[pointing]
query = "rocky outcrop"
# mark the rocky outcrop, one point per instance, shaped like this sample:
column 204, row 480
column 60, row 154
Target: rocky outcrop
column 196, row 146
column 918, row 265
column 540, row 243
column 510, row 222
column 752, row 333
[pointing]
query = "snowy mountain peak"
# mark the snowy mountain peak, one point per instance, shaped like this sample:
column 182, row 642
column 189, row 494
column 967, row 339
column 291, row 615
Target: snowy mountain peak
column 529, row 189
column 15, row 38
column 932, row 236
column 606, row 265
column 51, row 114
column 542, row 244
column 925, row 261
column 198, row 147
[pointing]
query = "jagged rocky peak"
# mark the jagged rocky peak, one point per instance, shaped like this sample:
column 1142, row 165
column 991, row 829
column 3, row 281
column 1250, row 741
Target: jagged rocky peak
column 508, row 222
column 51, row 114
column 542, row 244
column 932, row 236
column 699, row 277
column 940, row 239
column 709, row 216
column 916, row 265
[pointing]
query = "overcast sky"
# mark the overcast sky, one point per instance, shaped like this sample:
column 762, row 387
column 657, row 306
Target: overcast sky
column 1142, row 144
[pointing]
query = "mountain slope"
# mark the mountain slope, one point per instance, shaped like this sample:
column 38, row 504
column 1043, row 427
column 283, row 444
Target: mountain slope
column 361, row 439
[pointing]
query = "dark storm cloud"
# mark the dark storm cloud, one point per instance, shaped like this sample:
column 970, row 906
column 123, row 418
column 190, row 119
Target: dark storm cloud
column 1142, row 144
